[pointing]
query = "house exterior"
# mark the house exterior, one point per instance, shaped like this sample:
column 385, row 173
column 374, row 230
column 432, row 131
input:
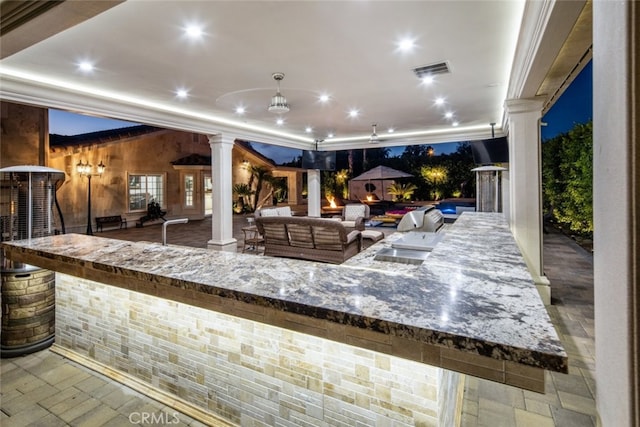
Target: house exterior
column 143, row 163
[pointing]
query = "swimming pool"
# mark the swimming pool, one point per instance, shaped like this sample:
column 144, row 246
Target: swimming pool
column 449, row 206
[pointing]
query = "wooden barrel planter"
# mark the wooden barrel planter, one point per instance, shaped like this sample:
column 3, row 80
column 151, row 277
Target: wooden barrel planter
column 28, row 311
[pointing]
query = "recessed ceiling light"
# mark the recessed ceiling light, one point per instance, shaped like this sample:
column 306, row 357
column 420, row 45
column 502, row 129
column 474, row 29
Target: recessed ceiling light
column 324, row 98
column 353, row 113
column 240, row 110
column 85, row 66
column 406, row 44
column 330, row 135
column 182, row 93
column 448, row 114
column 194, row 31
column 455, row 123
column 427, row 80
column 308, row 129
column 391, row 130
column 439, row 101
column 280, row 121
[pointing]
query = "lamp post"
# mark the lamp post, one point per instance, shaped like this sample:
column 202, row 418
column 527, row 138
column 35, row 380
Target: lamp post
column 84, row 169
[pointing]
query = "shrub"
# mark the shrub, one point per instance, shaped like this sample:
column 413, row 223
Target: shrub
column 567, row 179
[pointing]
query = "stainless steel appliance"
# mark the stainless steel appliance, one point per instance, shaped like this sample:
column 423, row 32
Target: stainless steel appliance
column 27, row 199
column 489, row 188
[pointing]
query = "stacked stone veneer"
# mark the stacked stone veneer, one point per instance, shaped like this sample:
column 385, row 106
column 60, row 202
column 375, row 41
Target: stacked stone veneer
column 28, row 310
column 244, row 371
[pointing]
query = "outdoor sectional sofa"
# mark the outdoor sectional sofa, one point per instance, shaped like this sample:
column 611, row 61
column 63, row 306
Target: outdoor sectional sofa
column 352, row 218
column 313, row 239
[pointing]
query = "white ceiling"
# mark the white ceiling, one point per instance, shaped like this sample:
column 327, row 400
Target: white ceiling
column 347, row 49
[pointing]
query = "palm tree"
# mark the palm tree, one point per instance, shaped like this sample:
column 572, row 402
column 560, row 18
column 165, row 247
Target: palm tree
column 243, row 191
column 402, row 191
column 261, row 174
column 342, row 183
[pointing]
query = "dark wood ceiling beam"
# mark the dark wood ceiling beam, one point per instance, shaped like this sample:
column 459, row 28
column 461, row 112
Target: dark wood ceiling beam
column 25, row 23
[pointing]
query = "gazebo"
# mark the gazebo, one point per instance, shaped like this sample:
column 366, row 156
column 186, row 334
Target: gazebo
column 374, row 183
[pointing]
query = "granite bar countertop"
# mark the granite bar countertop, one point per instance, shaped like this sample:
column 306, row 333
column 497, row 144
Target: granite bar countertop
column 474, row 292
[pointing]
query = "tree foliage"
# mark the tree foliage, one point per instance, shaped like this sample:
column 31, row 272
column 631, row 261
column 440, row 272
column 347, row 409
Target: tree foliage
column 435, row 176
column 567, row 178
column 439, row 175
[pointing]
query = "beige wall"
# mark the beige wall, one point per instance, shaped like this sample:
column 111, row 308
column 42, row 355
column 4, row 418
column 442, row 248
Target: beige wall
column 294, row 181
column 24, row 135
column 241, row 162
column 152, row 153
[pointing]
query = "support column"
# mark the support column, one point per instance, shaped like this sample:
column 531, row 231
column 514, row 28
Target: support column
column 313, row 192
column 616, row 211
column 221, row 177
column 525, row 186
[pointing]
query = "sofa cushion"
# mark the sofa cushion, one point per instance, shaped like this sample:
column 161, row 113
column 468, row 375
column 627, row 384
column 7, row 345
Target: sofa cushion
column 349, row 224
column 269, row 212
column 283, row 211
column 300, row 235
column 352, row 212
column 326, row 238
column 276, row 233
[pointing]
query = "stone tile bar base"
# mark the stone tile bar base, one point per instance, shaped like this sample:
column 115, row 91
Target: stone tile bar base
column 28, row 311
column 247, row 372
column 132, row 382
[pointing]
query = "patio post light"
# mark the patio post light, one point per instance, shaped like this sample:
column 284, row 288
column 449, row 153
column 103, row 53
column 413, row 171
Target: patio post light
column 85, row 169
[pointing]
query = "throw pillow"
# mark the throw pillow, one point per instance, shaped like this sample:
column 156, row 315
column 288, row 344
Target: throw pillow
column 268, row 212
column 284, row 211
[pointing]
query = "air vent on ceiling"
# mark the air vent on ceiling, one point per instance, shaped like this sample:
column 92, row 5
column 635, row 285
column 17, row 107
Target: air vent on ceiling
column 432, row 69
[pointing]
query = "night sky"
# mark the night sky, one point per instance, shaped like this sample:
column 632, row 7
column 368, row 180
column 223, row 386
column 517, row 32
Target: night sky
column 574, row 106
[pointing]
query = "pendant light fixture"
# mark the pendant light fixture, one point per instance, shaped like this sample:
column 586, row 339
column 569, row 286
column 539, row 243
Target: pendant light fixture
column 374, row 136
column 278, row 102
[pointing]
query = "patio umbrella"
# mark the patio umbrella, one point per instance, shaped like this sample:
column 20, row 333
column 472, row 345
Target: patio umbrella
column 381, row 173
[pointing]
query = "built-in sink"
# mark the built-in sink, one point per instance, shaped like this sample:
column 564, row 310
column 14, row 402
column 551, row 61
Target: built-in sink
column 412, row 248
column 418, row 240
column 403, row 256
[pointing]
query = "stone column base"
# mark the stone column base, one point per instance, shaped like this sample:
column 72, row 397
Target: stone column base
column 544, row 289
